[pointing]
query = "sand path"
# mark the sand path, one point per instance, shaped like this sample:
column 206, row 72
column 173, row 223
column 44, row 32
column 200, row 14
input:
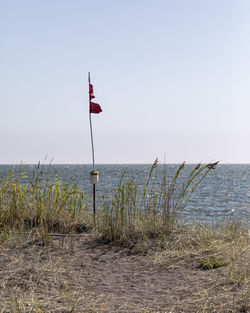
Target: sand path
column 131, row 281
column 83, row 276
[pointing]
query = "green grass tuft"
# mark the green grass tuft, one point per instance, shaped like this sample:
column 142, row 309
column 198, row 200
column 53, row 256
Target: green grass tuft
column 211, row 263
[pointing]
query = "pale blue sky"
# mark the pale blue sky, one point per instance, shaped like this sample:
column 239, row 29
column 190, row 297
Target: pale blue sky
column 172, row 77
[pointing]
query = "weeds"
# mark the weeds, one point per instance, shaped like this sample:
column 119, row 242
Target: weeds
column 211, row 263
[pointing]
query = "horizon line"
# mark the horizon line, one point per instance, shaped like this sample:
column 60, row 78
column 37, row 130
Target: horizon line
column 129, row 163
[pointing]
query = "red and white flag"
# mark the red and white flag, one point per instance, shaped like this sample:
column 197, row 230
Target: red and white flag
column 93, row 107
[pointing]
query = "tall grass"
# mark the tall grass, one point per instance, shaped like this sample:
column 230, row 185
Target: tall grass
column 131, row 216
column 43, row 203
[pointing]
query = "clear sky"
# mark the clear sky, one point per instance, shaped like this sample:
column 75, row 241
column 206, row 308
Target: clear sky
column 172, row 77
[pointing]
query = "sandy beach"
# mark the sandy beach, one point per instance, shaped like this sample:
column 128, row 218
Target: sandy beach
column 84, row 275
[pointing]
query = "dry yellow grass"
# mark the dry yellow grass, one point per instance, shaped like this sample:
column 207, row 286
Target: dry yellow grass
column 81, row 275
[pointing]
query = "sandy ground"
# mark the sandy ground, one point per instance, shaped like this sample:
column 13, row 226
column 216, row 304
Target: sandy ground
column 86, row 276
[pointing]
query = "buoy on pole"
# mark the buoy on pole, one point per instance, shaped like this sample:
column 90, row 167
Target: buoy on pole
column 94, row 175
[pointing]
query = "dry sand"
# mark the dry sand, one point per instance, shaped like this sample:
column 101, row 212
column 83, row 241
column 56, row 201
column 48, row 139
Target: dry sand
column 86, row 276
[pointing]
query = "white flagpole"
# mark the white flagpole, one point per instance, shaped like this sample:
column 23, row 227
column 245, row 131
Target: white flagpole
column 91, row 131
column 93, row 158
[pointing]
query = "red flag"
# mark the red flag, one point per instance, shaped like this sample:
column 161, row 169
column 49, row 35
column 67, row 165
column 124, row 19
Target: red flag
column 95, row 108
column 91, row 91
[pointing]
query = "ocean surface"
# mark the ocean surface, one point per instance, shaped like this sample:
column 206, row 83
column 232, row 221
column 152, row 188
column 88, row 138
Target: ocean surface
column 225, row 192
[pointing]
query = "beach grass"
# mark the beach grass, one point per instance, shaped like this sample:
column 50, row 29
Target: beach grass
column 152, row 214
column 42, row 204
column 50, row 205
column 38, row 274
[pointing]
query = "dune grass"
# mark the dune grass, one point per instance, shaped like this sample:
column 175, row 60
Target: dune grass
column 47, row 205
column 132, row 216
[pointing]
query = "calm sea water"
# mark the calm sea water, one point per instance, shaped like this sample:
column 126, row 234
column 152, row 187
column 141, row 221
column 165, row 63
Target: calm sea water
column 225, row 193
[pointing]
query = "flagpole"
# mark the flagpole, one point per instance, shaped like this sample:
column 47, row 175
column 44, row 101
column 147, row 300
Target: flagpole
column 93, row 157
column 91, row 131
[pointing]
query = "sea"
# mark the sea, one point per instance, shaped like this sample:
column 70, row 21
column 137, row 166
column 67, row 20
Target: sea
column 224, row 193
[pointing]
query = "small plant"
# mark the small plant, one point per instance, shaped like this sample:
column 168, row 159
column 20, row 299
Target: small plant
column 211, row 263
